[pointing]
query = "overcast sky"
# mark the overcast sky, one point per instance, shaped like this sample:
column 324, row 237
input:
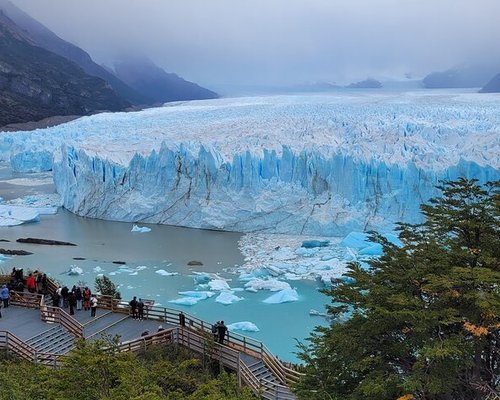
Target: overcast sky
column 280, row 42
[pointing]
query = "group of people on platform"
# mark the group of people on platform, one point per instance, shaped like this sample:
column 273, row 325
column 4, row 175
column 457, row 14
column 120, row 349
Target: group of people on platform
column 219, row 330
column 35, row 282
column 76, row 298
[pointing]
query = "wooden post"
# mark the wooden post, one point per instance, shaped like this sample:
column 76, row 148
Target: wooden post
column 238, row 371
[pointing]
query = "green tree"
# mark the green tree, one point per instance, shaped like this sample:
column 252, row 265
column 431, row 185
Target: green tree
column 423, row 320
column 106, row 287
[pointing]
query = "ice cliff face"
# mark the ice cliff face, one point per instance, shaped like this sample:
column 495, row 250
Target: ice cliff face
column 318, row 165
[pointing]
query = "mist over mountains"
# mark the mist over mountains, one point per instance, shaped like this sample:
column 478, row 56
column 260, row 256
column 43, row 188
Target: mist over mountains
column 42, row 75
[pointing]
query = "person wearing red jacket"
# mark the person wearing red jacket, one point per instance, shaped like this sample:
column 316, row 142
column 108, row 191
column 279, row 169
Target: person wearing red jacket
column 31, row 283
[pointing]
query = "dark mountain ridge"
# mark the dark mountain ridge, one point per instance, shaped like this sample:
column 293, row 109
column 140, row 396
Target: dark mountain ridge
column 492, row 86
column 45, row 38
column 147, row 78
column 468, row 76
column 36, row 83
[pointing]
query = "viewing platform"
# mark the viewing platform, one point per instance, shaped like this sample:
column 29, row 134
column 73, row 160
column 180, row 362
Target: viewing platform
column 33, row 329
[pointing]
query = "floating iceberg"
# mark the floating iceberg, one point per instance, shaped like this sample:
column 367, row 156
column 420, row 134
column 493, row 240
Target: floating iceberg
column 227, row 297
column 141, row 229
column 186, row 301
column 266, row 284
column 14, row 215
column 283, row 296
column 218, row 284
column 243, row 326
column 74, row 270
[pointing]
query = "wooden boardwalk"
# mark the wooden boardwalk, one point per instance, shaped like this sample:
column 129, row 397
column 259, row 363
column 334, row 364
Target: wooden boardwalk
column 36, row 331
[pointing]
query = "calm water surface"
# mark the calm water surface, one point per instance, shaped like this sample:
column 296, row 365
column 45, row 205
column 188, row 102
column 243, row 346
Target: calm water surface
column 165, row 247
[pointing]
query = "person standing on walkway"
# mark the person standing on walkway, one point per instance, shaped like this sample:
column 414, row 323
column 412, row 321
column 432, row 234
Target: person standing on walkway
column 31, row 283
column 71, row 302
column 79, row 298
column 93, row 305
column 4, row 295
column 133, row 307
column 140, row 309
column 86, row 298
column 221, row 331
column 182, row 319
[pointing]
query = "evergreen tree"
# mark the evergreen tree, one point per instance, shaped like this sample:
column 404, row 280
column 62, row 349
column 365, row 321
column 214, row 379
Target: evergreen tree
column 424, row 318
column 106, row 287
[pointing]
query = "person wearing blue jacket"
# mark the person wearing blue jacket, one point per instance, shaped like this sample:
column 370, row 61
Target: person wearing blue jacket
column 4, row 295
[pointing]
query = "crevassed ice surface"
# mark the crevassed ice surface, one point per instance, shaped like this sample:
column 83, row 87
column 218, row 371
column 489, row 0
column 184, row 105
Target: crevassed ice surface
column 308, row 164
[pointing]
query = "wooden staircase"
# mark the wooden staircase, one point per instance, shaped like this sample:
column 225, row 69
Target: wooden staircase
column 54, row 340
column 254, row 364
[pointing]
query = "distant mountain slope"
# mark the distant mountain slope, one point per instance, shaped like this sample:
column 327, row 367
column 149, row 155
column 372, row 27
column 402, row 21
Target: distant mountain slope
column 366, row 84
column 47, row 39
column 151, row 80
column 36, row 83
column 460, row 77
column 492, row 86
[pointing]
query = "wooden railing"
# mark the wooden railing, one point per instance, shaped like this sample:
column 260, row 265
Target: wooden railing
column 13, row 345
column 141, row 344
column 56, row 315
column 25, row 299
column 236, row 341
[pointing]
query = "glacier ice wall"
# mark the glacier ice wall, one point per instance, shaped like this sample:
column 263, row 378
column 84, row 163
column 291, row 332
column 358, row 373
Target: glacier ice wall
column 311, row 164
column 302, row 193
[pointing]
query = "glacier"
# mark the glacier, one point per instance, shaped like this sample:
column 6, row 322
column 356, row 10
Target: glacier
column 321, row 165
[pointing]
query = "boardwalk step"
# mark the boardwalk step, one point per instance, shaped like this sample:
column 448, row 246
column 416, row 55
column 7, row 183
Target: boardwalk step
column 54, row 340
column 42, row 335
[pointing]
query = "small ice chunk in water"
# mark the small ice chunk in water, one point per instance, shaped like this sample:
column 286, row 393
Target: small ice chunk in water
column 165, row 273
column 243, row 326
column 227, row 297
column 283, row 296
column 142, row 229
column 97, row 269
column 201, row 295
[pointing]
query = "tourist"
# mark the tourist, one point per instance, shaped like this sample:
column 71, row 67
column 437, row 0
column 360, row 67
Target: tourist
column 39, row 287
column 93, row 305
column 31, row 283
column 71, row 302
column 140, row 309
column 79, row 298
column 59, row 297
column 145, row 333
column 182, row 319
column 215, row 330
column 133, row 307
column 86, row 298
column 160, row 328
column 45, row 284
column 55, row 299
column 221, row 332
column 64, row 294
column 4, row 295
